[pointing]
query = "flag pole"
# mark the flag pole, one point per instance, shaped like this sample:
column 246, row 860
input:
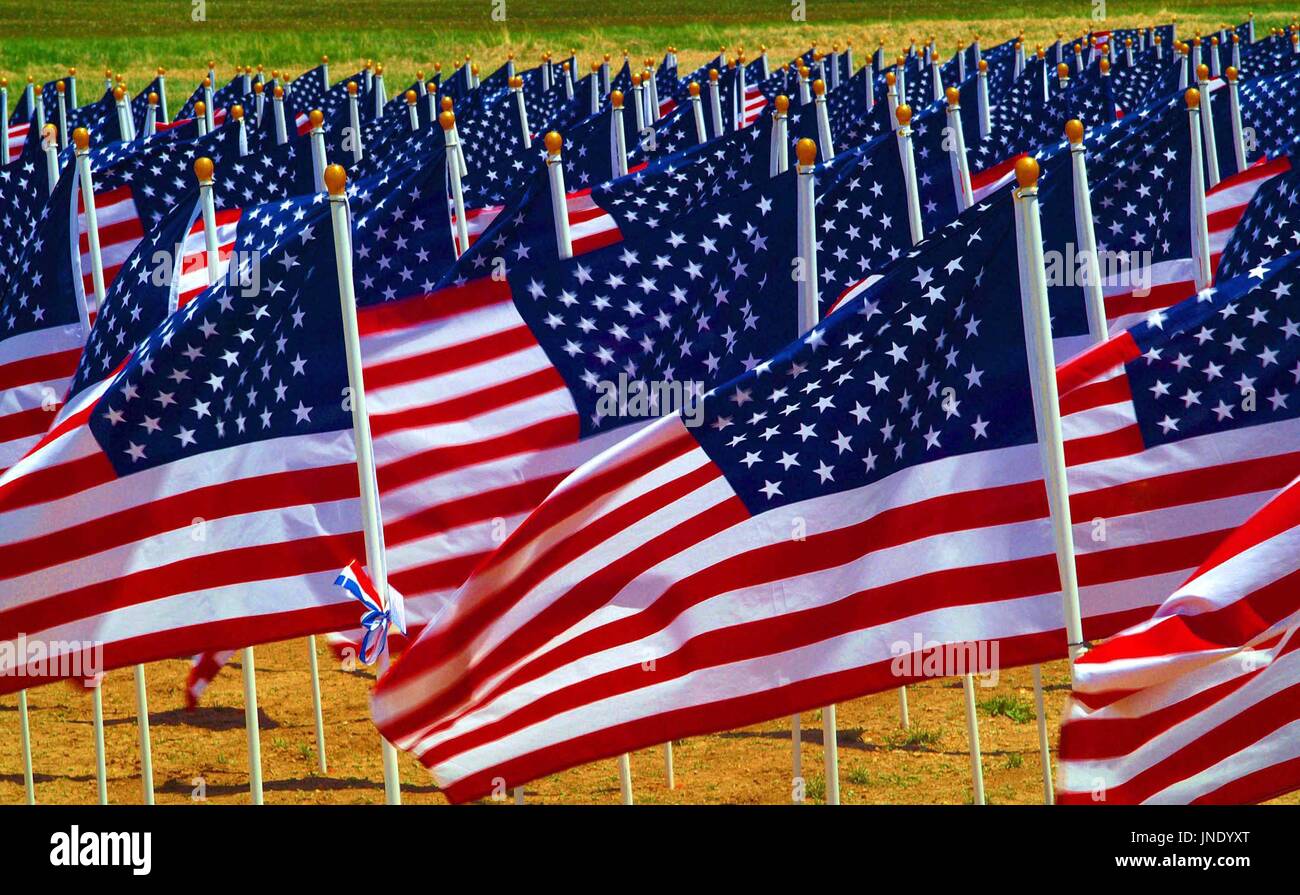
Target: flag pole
column 372, row 521
column 1044, row 746
column 1207, row 124
column 317, row 137
column 701, row 135
column 973, row 731
column 1046, row 401
column 823, row 119
column 982, row 95
column 904, row 115
column 780, row 154
column 201, row 117
column 277, row 107
column 1094, row 301
column 24, row 731
column 354, row 121
column 317, row 710
column 1200, row 226
column 716, row 102
column 81, row 138
column 4, row 121
column 1234, row 113
column 960, row 164
column 151, row 116
column 517, row 88
column 809, row 312
column 447, row 120
column 412, row 111
column 617, row 139
column 668, row 765
column 63, row 116
column 146, row 749
column 97, row 725
column 559, row 206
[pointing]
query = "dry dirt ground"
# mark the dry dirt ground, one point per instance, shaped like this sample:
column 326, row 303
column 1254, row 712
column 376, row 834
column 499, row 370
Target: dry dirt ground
column 201, row 756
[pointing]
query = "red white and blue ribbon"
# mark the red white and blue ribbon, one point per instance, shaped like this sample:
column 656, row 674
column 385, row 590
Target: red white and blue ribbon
column 377, row 617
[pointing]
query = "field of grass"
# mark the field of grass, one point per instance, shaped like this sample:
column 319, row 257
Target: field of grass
column 134, row 37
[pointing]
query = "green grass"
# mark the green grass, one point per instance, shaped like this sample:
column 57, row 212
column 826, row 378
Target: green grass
column 135, row 36
column 916, row 738
column 1013, row 707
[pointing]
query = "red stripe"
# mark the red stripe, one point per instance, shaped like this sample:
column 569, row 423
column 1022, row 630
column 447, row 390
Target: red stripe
column 325, row 554
column 438, row 576
column 599, row 240
column 1094, row 362
column 440, row 305
column 176, row 511
column 449, row 359
column 470, row 404
column 1106, row 446
column 110, row 235
column 992, row 175
column 42, row 368
column 26, row 423
column 508, row 500
column 413, row 467
column 1161, row 296
column 1191, row 486
column 1114, row 390
column 54, row 482
column 104, row 198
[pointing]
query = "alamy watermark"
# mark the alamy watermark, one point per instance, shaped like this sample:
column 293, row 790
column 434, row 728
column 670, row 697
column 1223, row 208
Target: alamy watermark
column 1127, row 270
column 75, row 659
column 922, row 658
column 640, row 398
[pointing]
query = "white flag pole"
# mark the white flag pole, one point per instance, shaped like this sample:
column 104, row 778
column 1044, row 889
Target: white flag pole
column 281, row 128
column 1234, row 111
column 372, row 524
column 1200, row 226
column 796, row 752
column 354, row 121
column 412, row 112
column 697, row 110
column 24, row 731
column 617, row 139
column 960, row 165
column 4, row 121
column 517, row 88
column 823, row 119
column 904, row 116
column 201, row 117
column 1094, row 301
column 715, row 101
column 317, row 137
column 780, row 154
column 1044, row 746
column 63, row 117
column 559, row 205
column 81, row 138
column 447, row 120
column 162, row 93
column 668, row 765
column 1046, row 401
column 809, row 314
column 625, row 778
column 317, row 710
column 97, row 725
column 982, row 95
column 973, row 737
column 50, row 145
column 146, row 749
column 1207, row 125
column 151, row 116
column 251, row 727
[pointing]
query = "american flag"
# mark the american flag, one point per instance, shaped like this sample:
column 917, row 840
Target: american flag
column 205, row 495
column 1198, row 705
column 880, row 474
column 1176, row 432
column 42, row 324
